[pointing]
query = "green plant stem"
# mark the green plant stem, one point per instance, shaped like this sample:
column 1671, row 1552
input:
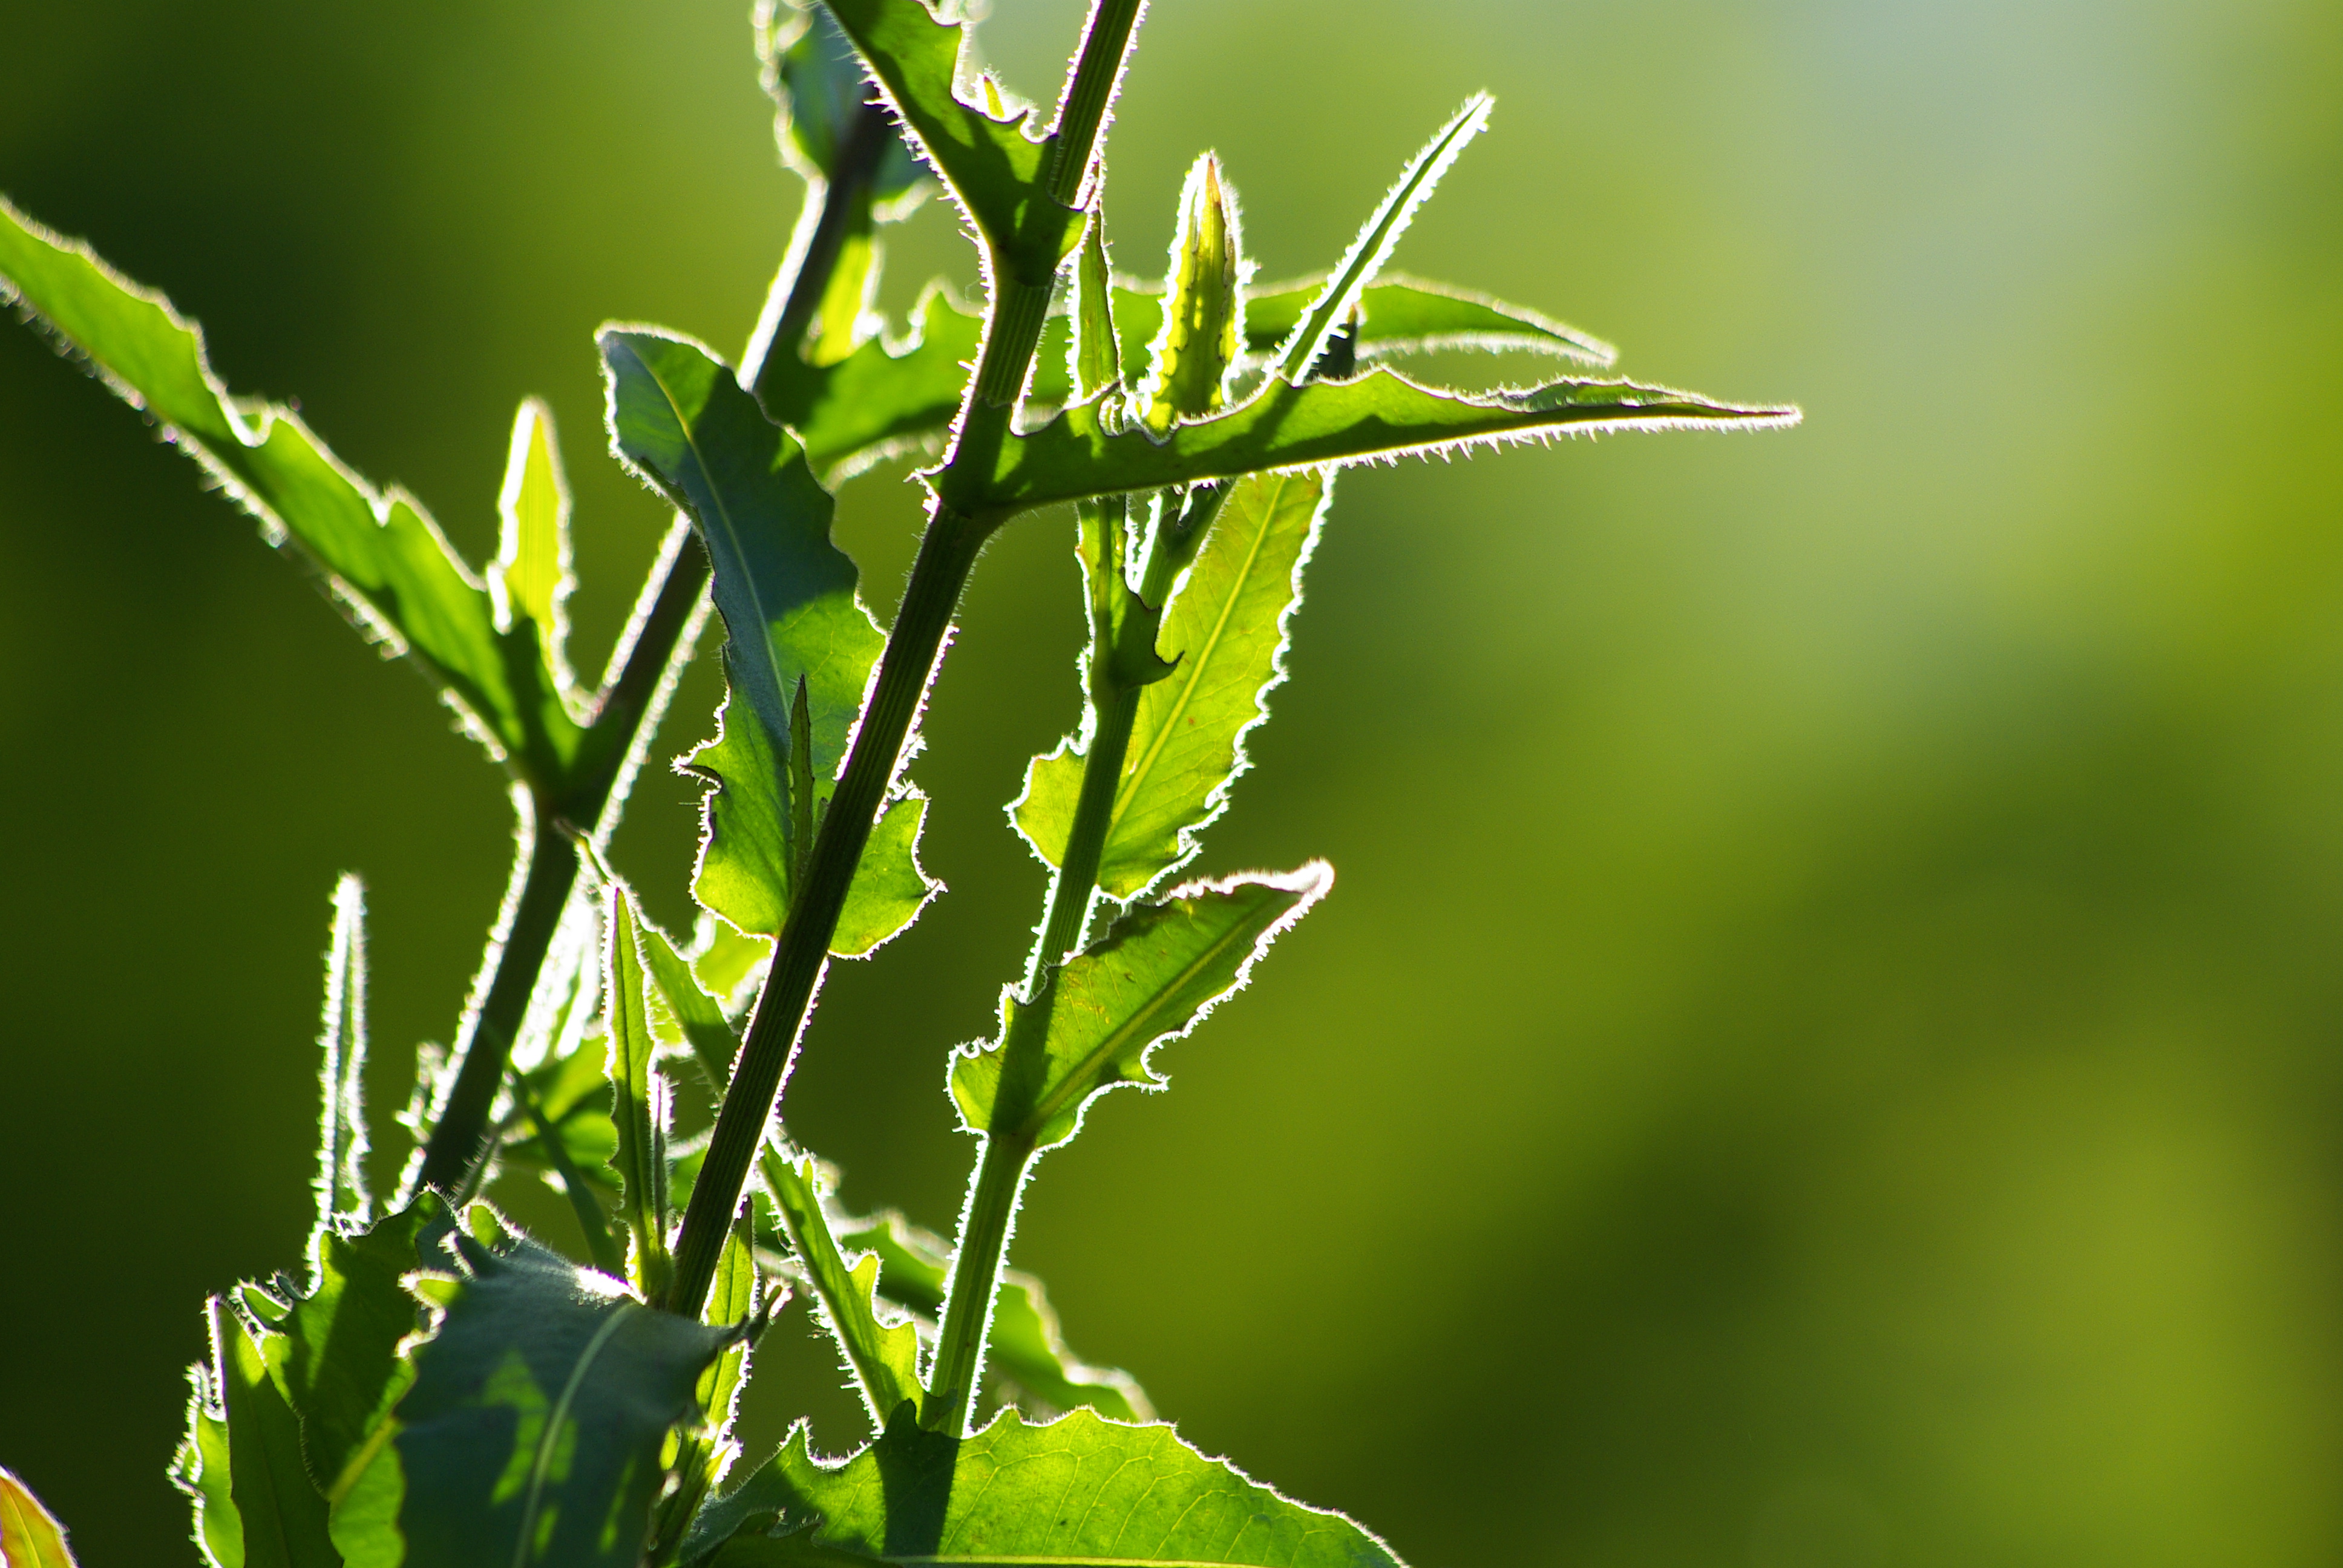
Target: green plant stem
column 957, row 525
column 625, row 716
column 1089, row 90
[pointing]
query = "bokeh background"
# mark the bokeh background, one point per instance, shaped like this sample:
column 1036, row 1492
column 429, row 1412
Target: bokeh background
column 1827, row 1048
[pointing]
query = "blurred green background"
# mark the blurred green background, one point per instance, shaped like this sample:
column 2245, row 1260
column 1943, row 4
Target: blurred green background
column 1824, row 1050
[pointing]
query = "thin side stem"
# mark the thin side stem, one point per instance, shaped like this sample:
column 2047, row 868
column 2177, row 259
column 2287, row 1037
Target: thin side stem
column 976, row 1267
column 1089, row 90
column 958, row 524
column 859, row 155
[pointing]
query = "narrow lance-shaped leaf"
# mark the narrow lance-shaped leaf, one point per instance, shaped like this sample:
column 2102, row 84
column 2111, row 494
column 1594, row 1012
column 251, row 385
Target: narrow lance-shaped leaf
column 680, row 419
column 1080, row 1489
column 531, row 578
column 341, row 1123
column 1158, row 970
column 884, row 1358
column 1396, row 316
column 1378, row 415
column 534, row 1430
column 993, row 169
column 387, row 561
column 1373, row 245
column 638, row 1103
column 200, row 1469
column 30, row 1536
column 1225, row 633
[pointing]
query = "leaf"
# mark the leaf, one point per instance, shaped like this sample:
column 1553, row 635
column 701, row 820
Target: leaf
column 1153, row 976
column 814, row 77
column 993, row 169
column 200, row 1469
column 884, row 1358
column 638, row 1103
column 534, row 1430
column 283, row 1515
column 336, row 1357
column 1380, row 415
column 788, row 595
column 1080, row 1489
column 340, row 1182
column 884, row 398
column 1408, row 315
column 1225, row 633
column 531, row 579
column 1026, row 1348
column 684, row 1014
column 584, row 1193
column 1093, row 356
column 386, row 561
column 1373, row 245
column 30, row 1537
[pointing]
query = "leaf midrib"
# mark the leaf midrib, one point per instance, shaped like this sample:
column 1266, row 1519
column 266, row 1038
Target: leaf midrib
column 549, row 1439
column 1047, row 1108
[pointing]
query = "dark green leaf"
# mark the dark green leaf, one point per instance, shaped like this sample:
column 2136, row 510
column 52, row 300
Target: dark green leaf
column 386, row 561
column 341, row 1123
column 1373, row 245
column 788, row 595
column 30, row 1537
column 282, row 1513
column 1158, row 970
column 813, row 76
column 638, row 1102
column 1225, row 634
column 992, row 167
column 534, row 1430
column 1380, row 415
column 1081, row 1490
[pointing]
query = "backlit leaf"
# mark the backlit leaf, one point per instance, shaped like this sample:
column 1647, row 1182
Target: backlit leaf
column 531, row 579
column 885, row 398
column 385, row 560
column 341, row 1183
column 1158, row 970
column 534, row 1430
column 992, row 167
column 282, row 1513
column 1408, row 315
column 638, row 1102
column 1380, row 415
column 883, row 1357
column 30, row 1537
column 1225, row 634
column 788, row 595
column 1080, row 1489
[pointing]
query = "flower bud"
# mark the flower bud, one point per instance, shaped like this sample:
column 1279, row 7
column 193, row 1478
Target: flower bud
column 1203, row 308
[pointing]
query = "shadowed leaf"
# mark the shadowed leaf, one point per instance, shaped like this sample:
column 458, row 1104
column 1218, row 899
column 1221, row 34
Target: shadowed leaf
column 882, row 398
column 1158, row 970
column 534, row 1430
column 1225, row 635
column 637, row 1104
column 386, row 560
column 283, row 1515
column 1081, row 1490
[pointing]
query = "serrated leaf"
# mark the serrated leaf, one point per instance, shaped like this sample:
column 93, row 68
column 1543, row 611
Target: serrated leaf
column 534, row 1430
column 386, row 562
column 1408, row 315
column 788, row 595
column 1225, row 634
column 638, row 1103
column 682, row 1013
column 1078, row 1490
column 531, row 579
column 993, row 169
column 1373, row 245
column 1196, row 349
column 1378, row 415
column 30, row 1536
column 885, row 398
column 200, row 1469
column 282, row 1513
column 1155, row 974
column 340, row 1182
column 336, row 1355
column 883, row 1357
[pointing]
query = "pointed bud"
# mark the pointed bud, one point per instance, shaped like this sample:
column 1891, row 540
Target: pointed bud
column 1203, row 309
